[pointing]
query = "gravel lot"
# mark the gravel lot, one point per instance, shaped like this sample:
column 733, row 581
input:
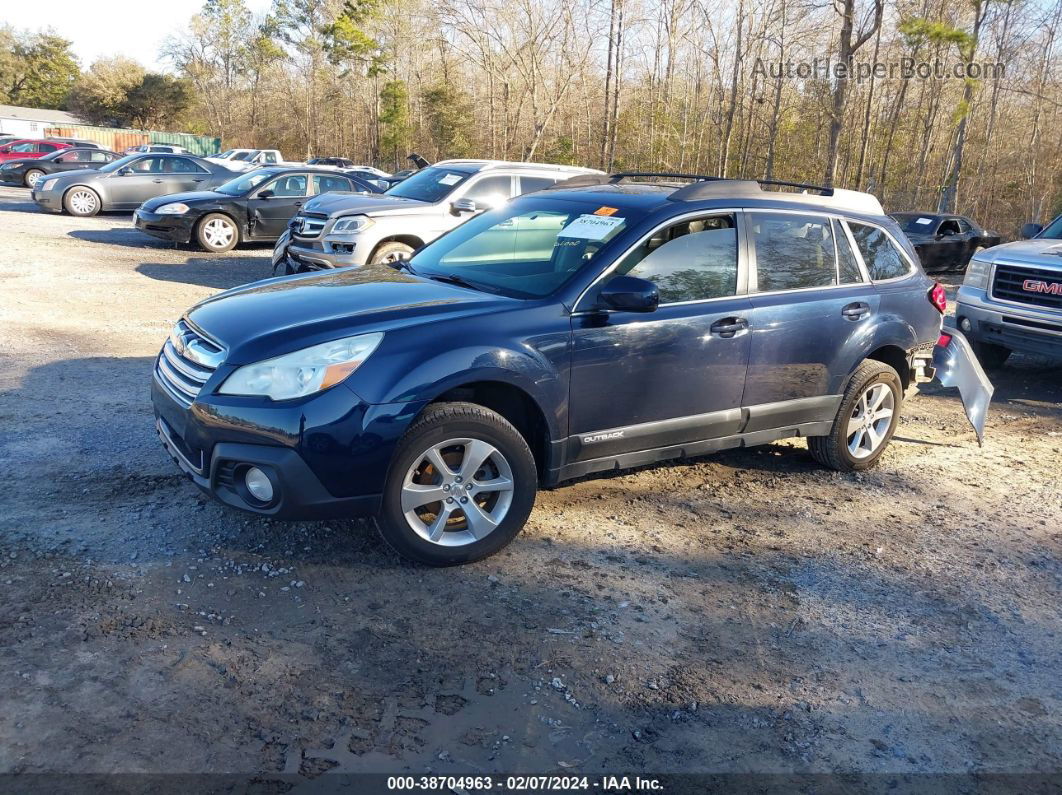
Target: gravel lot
column 747, row 611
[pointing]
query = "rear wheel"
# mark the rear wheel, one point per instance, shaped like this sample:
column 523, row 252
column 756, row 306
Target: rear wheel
column 865, row 421
column 391, row 252
column 461, row 486
column 33, row 176
column 217, row 233
column 81, row 201
column 991, row 356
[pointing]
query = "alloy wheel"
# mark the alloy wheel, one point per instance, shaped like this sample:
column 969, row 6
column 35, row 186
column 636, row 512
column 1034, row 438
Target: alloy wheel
column 83, row 202
column 457, row 492
column 218, row 233
column 33, row 177
column 870, row 420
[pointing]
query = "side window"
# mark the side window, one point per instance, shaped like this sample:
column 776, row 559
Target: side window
column 291, row 186
column 688, row 261
column 964, row 225
column 71, row 157
column 531, row 184
column 491, row 191
column 949, row 227
column 882, row 258
column 100, row 157
column 848, row 270
column 47, row 147
column 793, row 252
column 323, row 183
column 148, row 165
column 182, row 165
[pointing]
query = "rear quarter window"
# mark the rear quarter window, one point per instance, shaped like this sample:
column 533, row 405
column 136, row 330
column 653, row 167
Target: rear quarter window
column 881, row 256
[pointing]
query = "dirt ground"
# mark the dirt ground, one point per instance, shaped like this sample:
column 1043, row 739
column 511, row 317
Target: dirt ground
column 743, row 612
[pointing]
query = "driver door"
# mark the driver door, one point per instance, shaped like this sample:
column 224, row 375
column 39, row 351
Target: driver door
column 275, row 204
column 648, row 380
column 133, row 184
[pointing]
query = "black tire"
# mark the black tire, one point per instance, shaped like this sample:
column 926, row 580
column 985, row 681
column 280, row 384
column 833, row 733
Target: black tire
column 991, row 357
column 438, row 424
column 389, row 252
column 210, row 236
column 31, row 177
column 832, row 450
column 81, row 201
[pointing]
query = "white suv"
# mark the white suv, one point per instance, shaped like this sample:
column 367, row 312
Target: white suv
column 337, row 230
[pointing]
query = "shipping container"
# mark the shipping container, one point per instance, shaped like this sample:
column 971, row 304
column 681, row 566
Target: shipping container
column 118, row 140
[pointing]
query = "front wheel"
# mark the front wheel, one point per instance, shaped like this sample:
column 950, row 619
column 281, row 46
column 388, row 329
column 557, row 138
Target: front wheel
column 33, row 176
column 217, row 233
column 865, row 421
column 390, row 253
column 81, row 202
column 462, row 483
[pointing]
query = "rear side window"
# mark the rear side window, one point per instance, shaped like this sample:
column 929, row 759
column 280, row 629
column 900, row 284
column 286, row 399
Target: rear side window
column 847, row 263
column 48, row 147
column 688, row 261
column 793, row 252
column 182, row 165
column 325, row 183
column 882, row 258
column 491, row 190
column 531, row 184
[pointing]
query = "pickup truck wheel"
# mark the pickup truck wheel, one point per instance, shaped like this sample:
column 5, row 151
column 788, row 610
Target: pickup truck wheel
column 33, row 176
column 991, row 357
column 461, row 486
column 390, row 252
column 82, row 202
column 217, row 233
column 865, row 420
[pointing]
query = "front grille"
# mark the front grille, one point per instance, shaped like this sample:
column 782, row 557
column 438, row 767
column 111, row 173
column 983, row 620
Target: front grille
column 308, row 225
column 1028, row 285
column 186, row 361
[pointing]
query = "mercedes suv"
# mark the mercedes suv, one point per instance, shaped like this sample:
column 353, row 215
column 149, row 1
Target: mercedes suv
column 1011, row 298
column 339, row 231
column 608, row 322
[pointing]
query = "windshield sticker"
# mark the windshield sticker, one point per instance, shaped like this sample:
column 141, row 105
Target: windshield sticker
column 449, row 179
column 924, row 221
column 606, row 211
column 591, row 227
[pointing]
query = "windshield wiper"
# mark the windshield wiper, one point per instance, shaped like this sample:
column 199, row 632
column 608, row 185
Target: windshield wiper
column 402, row 265
column 460, row 281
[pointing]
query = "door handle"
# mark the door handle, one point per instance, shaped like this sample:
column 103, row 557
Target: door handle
column 298, row 204
column 157, row 181
column 198, row 180
column 729, row 327
column 856, row 311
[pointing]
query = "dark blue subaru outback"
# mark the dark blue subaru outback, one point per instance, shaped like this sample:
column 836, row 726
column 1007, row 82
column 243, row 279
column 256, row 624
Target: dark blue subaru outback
column 605, row 323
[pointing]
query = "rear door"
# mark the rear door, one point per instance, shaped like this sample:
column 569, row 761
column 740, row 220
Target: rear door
column 183, row 174
column 812, row 301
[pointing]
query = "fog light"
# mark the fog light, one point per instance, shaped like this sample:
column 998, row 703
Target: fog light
column 258, row 484
column 965, row 324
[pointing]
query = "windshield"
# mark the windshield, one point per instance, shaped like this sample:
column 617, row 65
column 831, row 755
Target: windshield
column 240, row 156
column 525, row 249
column 117, row 164
column 240, row 185
column 1053, row 230
column 429, row 185
column 917, row 224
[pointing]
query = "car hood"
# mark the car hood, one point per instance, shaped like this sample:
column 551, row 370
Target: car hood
column 70, row 177
column 337, row 204
column 1042, row 252
column 21, row 161
column 190, row 197
column 276, row 316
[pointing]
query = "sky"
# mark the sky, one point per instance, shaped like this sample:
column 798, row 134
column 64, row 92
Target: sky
column 131, row 28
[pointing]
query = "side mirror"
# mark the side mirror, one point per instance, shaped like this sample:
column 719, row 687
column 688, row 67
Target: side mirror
column 266, row 194
column 630, row 294
column 124, row 171
column 463, row 206
column 1031, row 230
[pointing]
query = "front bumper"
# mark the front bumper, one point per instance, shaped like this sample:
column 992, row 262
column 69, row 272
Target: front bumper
column 49, row 200
column 327, row 456
column 175, row 228
column 16, row 178
column 1017, row 328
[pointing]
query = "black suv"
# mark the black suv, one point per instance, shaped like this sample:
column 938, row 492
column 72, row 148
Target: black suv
column 608, row 322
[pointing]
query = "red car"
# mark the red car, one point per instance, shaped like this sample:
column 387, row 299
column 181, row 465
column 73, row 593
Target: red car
column 28, row 148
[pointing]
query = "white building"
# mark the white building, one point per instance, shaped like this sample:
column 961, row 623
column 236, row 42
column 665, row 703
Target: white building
column 32, row 122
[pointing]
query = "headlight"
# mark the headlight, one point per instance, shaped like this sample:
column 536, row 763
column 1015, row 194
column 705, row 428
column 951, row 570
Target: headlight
column 355, row 223
column 9, row 165
column 177, row 208
column 47, row 184
column 302, row 372
column 977, row 274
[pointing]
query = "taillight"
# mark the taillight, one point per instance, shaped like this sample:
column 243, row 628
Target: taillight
column 938, row 297
column 943, row 340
